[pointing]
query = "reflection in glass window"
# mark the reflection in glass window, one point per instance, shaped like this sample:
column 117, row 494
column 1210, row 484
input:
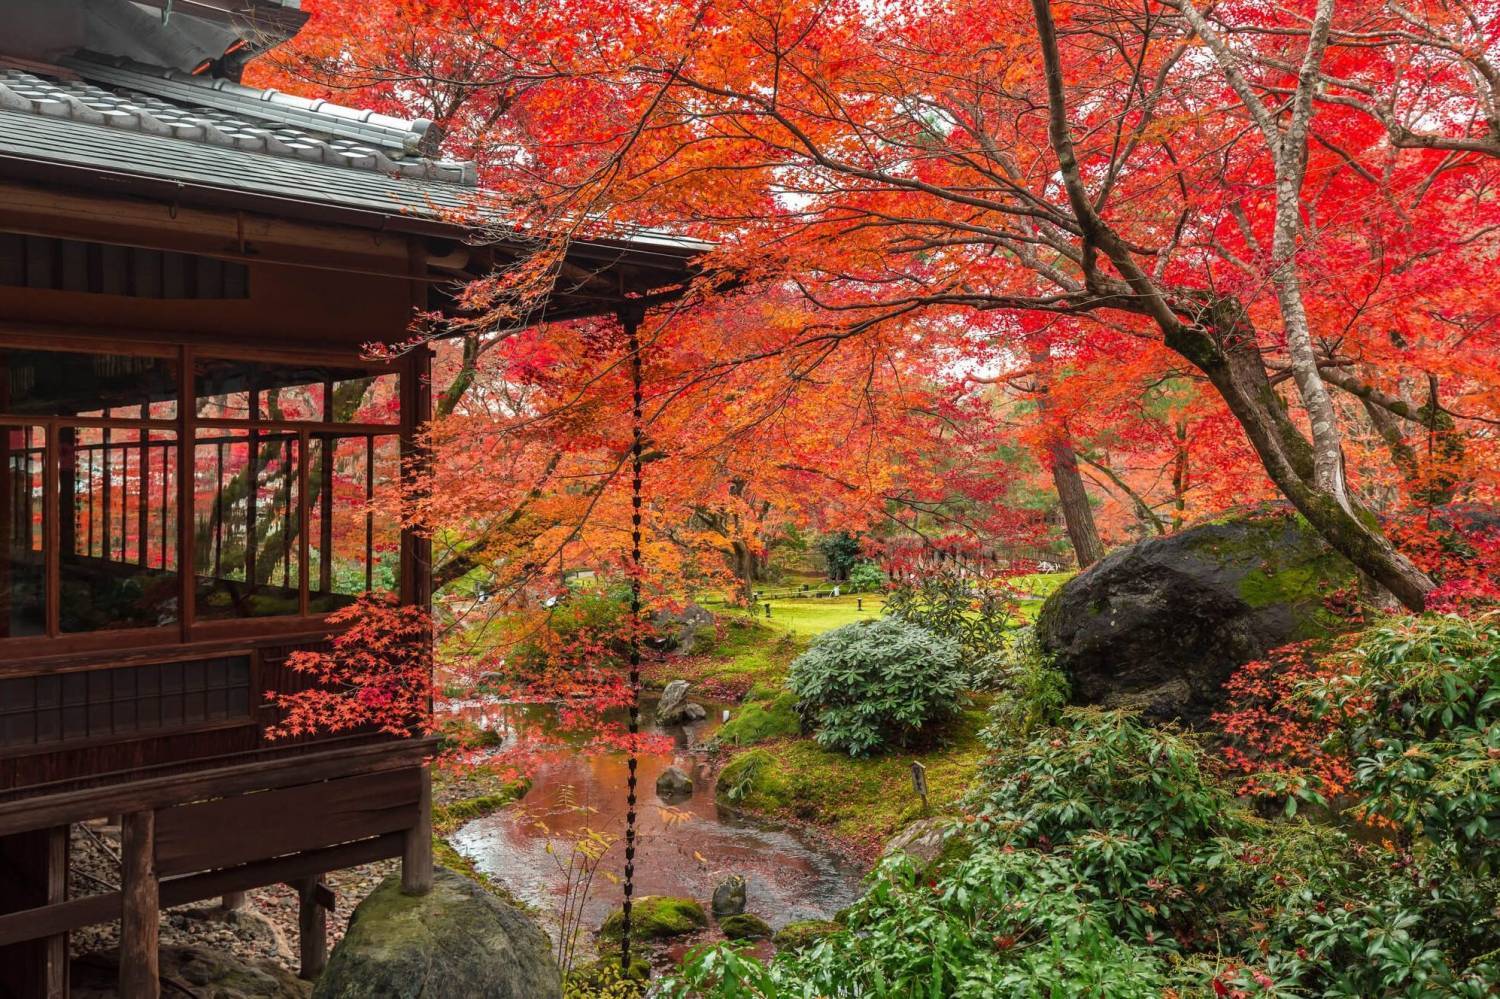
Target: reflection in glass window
column 246, row 524
column 68, row 383
column 23, row 607
column 118, row 518
column 355, row 530
column 239, row 390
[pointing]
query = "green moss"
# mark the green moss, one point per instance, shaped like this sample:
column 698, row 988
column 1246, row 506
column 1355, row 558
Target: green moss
column 446, row 818
column 761, row 720
column 751, row 780
column 750, row 656
column 745, row 927
column 1293, row 584
column 862, row 800
column 656, row 917
column 804, row 933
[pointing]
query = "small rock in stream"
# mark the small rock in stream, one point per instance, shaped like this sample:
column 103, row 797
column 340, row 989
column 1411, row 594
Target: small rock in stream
column 674, row 785
column 729, row 896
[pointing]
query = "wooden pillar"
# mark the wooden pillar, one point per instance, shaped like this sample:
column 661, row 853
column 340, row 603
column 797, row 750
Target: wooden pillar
column 416, row 859
column 140, row 908
column 56, row 960
column 232, row 901
column 312, row 928
column 34, row 873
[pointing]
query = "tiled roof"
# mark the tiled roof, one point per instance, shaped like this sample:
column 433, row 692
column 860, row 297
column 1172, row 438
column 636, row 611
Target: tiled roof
column 120, row 120
column 182, row 107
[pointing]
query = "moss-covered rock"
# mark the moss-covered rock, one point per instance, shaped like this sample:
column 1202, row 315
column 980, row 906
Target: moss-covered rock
column 656, row 917
column 458, row 940
column 745, row 926
column 804, row 933
column 1160, row 625
column 211, row 974
column 760, row 720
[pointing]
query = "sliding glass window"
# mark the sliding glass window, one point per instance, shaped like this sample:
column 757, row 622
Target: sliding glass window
column 293, row 476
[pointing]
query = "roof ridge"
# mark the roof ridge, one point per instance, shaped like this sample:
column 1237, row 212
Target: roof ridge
column 227, row 95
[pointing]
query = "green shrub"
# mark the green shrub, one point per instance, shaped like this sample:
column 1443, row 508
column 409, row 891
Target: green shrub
column 875, row 684
column 866, row 577
column 1425, row 739
column 975, row 611
column 1032, row 692
column 1108, row 859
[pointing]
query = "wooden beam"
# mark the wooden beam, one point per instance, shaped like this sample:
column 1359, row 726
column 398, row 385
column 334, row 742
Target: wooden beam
column 140, row 907
column 244, row 828
column 75, row 806
column 48, row 920
column 230, row 235
column 74, row 913
column 312, row 928
column 416, row 857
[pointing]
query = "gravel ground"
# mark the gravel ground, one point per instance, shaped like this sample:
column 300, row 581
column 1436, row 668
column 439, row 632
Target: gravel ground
column 264, row 929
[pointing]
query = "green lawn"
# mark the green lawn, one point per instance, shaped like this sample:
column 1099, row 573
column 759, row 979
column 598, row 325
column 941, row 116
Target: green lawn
column 812, row 616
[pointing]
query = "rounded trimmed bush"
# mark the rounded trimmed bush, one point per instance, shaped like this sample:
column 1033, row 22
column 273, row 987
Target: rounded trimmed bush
column 875, row 684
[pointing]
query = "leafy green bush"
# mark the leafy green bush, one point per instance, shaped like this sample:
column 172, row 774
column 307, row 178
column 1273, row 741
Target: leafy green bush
column 1032, row 690
column 1425, row 739
column 1109, row 859
column 977, row 612
column 874, row 684
column 866, row 577
column 1139, row 817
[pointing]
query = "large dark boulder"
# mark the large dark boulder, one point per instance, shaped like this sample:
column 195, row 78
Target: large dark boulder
column 456, row 942
column 1160, row 625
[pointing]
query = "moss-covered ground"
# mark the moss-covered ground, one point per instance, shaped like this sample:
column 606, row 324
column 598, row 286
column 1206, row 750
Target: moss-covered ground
column 861, row 802
column 746, row 654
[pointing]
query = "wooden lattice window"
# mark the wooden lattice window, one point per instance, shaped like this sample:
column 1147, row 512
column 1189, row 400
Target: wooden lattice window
column 123, row 701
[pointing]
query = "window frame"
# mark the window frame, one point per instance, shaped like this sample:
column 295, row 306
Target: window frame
column 189, row 629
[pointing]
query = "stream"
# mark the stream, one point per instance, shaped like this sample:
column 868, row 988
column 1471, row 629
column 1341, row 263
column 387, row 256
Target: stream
column 682, row 849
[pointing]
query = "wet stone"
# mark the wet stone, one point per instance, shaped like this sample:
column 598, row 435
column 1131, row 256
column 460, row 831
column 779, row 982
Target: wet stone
column 729, row 896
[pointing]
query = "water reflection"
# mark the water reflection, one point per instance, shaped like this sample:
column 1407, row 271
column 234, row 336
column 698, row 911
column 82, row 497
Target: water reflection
column 683, row 848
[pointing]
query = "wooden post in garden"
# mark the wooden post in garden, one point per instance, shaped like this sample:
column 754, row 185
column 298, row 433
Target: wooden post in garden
column 312, row 928
column 919, row 784
column 416, row 858
column 768, row 611
column 140, row 907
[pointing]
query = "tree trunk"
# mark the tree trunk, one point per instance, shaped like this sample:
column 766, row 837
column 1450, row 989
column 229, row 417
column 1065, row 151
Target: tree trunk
column 1218, row 339
column 743, row 560
column 1078, row 516
column 1229, row 358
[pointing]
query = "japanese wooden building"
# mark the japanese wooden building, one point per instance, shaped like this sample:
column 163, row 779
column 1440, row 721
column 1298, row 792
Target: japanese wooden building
column 193, row 454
